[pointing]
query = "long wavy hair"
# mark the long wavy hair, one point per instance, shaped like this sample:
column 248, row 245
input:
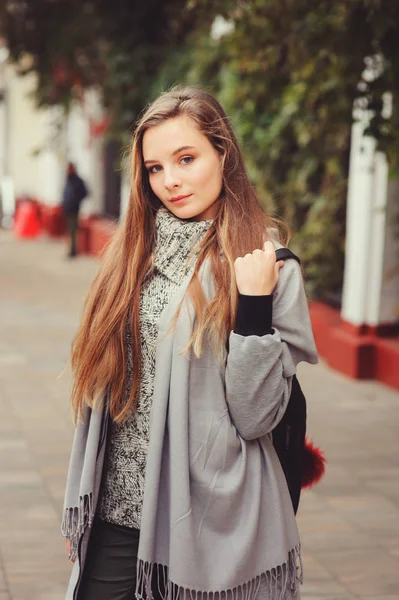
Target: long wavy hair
column 99, row 352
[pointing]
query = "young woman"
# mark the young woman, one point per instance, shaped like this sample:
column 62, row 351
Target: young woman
column 183, row 366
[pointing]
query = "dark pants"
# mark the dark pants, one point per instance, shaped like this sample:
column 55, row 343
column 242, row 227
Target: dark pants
column 110, row 567
column 73, row 223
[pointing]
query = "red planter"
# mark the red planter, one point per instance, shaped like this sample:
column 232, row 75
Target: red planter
column 100, row 232
column 27, row 220
column 53, row 220
column 361, row 352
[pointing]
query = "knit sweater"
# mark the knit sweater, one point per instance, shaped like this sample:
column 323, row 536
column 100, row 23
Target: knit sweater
column 122, row 487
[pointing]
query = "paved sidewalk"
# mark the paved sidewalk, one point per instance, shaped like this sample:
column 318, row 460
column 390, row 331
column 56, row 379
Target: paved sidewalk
column 349, row 524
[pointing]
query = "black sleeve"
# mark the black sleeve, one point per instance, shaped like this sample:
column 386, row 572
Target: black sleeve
column 254, row 315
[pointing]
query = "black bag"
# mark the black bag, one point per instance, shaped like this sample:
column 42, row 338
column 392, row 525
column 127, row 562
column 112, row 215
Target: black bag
column 289, row 434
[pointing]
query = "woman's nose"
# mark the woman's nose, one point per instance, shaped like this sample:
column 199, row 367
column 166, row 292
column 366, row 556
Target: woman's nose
column 171, row 180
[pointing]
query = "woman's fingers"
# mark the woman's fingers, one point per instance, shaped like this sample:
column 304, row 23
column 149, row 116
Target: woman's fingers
column 268, row 246
column 68, row 549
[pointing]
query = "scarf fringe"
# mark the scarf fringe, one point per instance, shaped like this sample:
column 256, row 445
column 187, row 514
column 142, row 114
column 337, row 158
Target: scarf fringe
column 75, row 521
column 280, row 580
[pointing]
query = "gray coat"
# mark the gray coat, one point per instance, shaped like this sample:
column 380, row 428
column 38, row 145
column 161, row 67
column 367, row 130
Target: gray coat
column 237, row 404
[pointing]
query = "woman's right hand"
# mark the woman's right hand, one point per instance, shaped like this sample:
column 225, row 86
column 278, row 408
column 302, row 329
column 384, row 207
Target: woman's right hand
column 257, row 274
column 68, row 549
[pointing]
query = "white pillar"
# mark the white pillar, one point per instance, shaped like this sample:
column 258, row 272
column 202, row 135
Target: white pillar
column 371, row 275
column 52, row 159
column 389, row 304
column 3, row 123
column 95, row 181
column 358, row 227
column 7, row 191
column 374, row 267
column 87, row 152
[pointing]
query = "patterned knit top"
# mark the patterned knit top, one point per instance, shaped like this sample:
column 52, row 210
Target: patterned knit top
column 122, row 486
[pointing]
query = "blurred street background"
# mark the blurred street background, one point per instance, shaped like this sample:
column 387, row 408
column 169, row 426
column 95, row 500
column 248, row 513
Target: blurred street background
column 312, row 90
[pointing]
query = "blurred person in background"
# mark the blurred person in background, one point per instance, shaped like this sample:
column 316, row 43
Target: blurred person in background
column 75, row 192
column 192, row 321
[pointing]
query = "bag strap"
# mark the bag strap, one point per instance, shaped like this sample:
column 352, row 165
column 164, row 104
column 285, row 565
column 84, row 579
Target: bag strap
column 284, row 254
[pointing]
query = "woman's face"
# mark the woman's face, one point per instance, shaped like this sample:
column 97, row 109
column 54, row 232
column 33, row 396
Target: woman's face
column 184, row 169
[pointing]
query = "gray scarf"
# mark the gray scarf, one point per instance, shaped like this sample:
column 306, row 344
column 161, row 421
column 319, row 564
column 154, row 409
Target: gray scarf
column 217, row 518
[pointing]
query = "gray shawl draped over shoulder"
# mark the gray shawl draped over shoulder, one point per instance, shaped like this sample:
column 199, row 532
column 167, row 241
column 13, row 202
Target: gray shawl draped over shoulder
column 217, row 516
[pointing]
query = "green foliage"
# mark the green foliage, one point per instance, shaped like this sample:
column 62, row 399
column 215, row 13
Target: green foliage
column 287, row 74
column 117, row 46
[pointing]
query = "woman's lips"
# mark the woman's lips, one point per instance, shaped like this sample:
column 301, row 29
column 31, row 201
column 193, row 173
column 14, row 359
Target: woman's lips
column 179, row 199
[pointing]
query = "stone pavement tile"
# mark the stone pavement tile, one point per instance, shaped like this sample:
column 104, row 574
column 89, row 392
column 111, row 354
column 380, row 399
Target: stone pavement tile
column 37, row 589
column 36, row 564
column 2, row 581
column 382, row 479
column 394, row 597
column 324, row 528
column 8, row 422
column 56, row 487
column 378, row 467
column 52, row 465
column 22, row 479
column 371, row 513
column 326, row 522
column 320, row 540
column 361, row 572
column 390, row 544
column 39, row 547
column 14, row 453
column 57, row 592
column 32, row 516
column 395, row 553
column 324, row 590
column 321, row 596
column 11, row 496
column 318, row 583
column 337, row 477
column 42, row 440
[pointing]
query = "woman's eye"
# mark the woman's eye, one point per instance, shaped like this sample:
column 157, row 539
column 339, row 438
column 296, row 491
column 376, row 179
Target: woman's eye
column 154, row 169
column 186, row 160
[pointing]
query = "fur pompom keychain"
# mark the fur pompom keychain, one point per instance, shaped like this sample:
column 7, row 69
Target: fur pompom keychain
column 314, row 464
